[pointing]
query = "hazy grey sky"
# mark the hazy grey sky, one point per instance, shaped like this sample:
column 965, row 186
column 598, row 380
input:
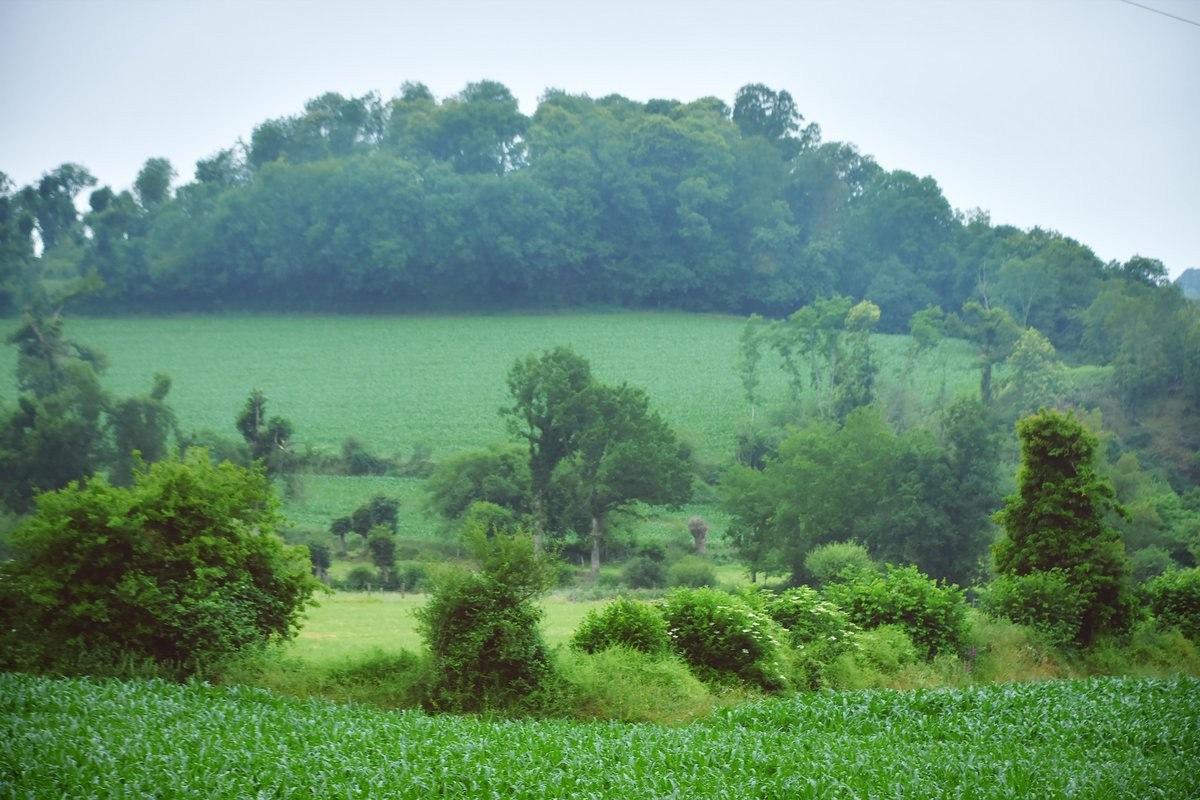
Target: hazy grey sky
column 1078, row 115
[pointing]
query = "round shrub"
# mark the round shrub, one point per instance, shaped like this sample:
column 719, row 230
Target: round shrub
column 644, row 572
column 817, row 629
column 623, row 623
column 723, row 639
column 692, row 572
column 361, row 578
column 934, row 615
column 1174, row 600
column 829, row 562
column 1047, row 602
column 487, row 648
column 182, row 570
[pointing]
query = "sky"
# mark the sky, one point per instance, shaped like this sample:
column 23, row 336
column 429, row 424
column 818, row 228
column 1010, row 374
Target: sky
column 1080, row 116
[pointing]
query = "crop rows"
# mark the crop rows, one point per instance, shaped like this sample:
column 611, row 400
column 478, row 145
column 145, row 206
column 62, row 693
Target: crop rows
column 1108, row 738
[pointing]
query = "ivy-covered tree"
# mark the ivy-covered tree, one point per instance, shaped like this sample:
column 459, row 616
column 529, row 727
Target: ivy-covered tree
column 1057, row 520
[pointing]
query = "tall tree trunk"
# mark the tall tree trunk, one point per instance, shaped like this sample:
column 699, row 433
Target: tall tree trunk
column 539, row 521
column 597, row 535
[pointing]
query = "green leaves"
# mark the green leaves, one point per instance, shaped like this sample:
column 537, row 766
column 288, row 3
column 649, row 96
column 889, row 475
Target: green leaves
column 181, row 569
column 1111, row 738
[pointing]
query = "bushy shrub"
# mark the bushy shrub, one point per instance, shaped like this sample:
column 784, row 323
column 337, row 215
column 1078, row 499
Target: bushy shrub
column 933, row 614
column 488, row 651
column 180, row 570
column 829, row 561
column 723, row 639
column 624, row 623
column 361, row 578
column 692, row 572
column 1047, row 602
column 644, row 572
column 1174, row 600
column 481, row 628
column 817, row 629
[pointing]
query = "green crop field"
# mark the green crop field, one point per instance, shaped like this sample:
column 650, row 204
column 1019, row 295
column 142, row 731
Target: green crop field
column 395, row 382
column 1103, row 738
column 439, row 381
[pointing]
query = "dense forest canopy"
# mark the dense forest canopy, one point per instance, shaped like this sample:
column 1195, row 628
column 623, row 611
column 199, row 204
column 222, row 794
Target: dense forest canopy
column 360, row 204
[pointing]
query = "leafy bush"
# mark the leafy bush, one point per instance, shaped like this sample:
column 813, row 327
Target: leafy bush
column 644, row 572
column 624, row 623
column 933, row 614
column 182, row 570
column 482, row 628
column 816, row 628
column 1174, row 600
column 692, row 572
column 361, row 578
column 829, row 561
column 723, row 639
column 1047, row 602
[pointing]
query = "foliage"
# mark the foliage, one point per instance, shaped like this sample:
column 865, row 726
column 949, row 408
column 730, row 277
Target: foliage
column 1118, row 738
column 361, row 577
column 933, row 614
column 600, row 448
column 1046, row 601
column 500, row 475
column 624, row 623
column 691, row 572
column 482, row 628
column 906, row 497
column 181, row 569
column 1174, row 600
column 269, row 440
column 723, row 639
column 644, row 572
column 1057, row 520
column 817, row 629
column 829, row 562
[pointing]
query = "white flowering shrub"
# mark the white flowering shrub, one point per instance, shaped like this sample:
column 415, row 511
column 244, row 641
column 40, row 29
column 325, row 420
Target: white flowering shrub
column 817, row 629
column 723, row 639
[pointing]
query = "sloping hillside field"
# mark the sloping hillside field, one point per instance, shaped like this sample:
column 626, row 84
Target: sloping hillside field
column 1109, row 738
column 394, row 382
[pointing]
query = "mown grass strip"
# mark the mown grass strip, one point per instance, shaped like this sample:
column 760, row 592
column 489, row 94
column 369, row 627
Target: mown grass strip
column 1104, row 738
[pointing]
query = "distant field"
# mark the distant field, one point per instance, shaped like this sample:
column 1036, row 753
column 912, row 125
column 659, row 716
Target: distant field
column 439, row 380
column 395, row 382
column 349, row 625
column 1105, row 738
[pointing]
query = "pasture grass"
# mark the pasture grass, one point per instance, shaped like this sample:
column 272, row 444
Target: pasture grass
column 1100, row 738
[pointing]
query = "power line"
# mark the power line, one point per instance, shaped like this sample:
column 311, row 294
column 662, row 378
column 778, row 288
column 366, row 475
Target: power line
column 1160, row 11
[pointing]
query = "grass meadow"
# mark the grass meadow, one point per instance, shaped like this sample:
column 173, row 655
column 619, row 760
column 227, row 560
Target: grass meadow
column 1101, row 738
